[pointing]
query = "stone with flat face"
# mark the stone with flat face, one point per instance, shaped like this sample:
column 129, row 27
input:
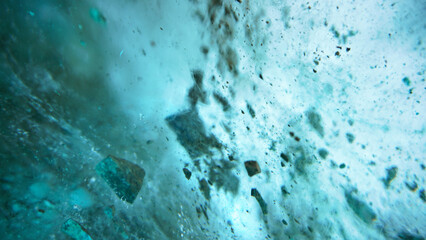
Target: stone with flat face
column 124, row 177
column 252, row 168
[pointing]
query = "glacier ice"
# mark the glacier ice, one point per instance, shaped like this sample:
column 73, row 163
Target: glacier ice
column 325, row 100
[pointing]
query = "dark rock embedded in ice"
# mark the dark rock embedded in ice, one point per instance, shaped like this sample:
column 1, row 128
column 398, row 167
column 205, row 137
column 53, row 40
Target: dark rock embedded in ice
column 323, row 153
column 75, row 230
column 361, row 209
column 124, row 177
column 205, row 188
column 390, row 175
column 187, row 173
column 222, row 101
column 251, row 110
column 252, row 168
column 350, row 137
column 315, row 121
column 191, row 133
column 422, row 195
column 262, row 203
column 196, row 92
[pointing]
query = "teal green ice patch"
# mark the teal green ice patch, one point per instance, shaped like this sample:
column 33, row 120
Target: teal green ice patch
column 124, row 177
column 75, row 230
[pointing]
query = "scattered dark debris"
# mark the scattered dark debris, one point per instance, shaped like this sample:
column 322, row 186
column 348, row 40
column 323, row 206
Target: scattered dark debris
column 348, row 49
column 297, row 139
column 313, row 70
column 323, row 153
column 315, row 121
column 422, row 195
column 251, row 111
column 262, row 203
column 361, row 209
column 187, row 173
column 350, row 137
column 252, row 167
column 191, row 133
column 411, row 185
column 390, row 175
column 406, row 81
column 284, row 222
column 222, row 101
column 260, row 76
column 124, row 177
column 337, row 53
column 291, row 134
column 316, row 62
column 342, row 165
column 205, row 188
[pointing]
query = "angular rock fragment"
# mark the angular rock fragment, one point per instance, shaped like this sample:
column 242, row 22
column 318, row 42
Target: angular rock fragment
column 390, row 175
column 187, row 173
column 191, row 133
column 124, row 177
column 205, row 188
column 75, row 230
column 252, row 168
column 262, row 203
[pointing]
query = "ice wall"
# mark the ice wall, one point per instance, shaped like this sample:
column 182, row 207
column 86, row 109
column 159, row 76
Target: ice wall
column 251, row 119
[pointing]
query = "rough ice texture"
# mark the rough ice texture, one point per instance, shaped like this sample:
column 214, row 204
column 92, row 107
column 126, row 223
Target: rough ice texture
column 327, row 96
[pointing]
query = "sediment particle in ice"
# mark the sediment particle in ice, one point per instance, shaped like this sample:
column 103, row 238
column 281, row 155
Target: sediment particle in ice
column 390, row 175
column 315, row 121
column 205, row 188
column 361, row 209
column 187, row 173
column 124, row 177
column 262, row 203
column 323, row 153
column 75, row 230
column 422, row 195
column 252, row 168
column 191, row 133
column 350, row 137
